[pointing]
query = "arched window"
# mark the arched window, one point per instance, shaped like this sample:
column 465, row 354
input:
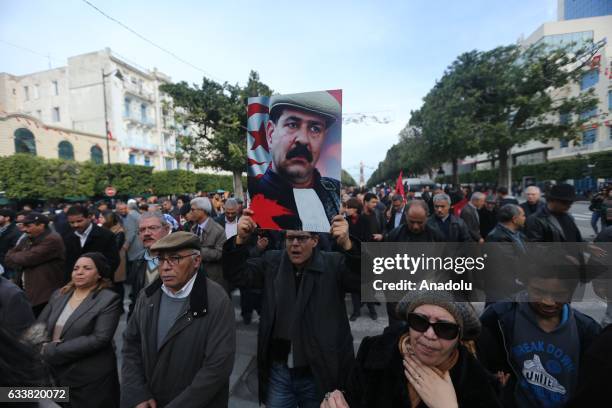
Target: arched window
column 24, row 142
column 96, row 155
column 65, row 150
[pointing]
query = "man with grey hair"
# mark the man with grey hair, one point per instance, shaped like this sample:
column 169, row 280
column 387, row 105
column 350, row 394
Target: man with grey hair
column 212, row 237
column 151, row 228
column 534, row 201
column 469, row 214
column 229, row 219
column 130, row 217
column 511, row 221
column 453, row 228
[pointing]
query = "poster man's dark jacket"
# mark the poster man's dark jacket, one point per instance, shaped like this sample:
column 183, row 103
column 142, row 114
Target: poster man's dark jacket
column 275, row 187
column 457, row 230
column 86, row 352
column 99, row 240
column 192, row 366
column 496, row 339
column 41, row 261
column 320, row 325
column 378, row 379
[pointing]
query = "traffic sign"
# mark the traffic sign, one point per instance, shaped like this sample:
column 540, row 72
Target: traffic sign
column 110, row 191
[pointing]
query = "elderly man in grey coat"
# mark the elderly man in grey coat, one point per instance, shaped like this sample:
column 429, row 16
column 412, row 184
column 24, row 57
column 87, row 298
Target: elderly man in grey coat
column 212, row 237
column 180, row 342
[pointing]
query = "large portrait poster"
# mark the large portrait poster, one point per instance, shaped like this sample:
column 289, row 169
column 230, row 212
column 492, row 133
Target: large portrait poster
column 294, row 160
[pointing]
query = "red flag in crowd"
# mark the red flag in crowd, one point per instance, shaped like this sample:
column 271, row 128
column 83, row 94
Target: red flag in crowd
column 399, row 185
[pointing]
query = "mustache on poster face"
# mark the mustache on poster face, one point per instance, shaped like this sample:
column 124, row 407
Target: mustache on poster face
column 300, row 151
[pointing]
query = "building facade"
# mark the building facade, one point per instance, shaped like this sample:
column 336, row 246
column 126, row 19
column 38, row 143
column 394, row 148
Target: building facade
column 23, row 133
column 597, row 132
column 576, row 9
column 94, row 86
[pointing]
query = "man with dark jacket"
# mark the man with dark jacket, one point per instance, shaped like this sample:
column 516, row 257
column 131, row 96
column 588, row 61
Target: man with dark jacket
column 535, row 344
column 553, row 223
column 414, row 229
column 9, row 234
column 453, row 228
column 509, row 228
column 40, row 257
column 375, row 220
column 488, row 215
column 305, row 346
column 86, row 236
column 229, row 219
column 397, row 209
column 502, row 281
column 534, row 201
column 180, row 342
column 469, row 214
column 15, row 310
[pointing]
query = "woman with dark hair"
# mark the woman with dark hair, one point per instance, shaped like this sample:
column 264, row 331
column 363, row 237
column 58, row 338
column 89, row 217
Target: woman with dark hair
column 430, row 363
column 113, row 224
column 81, row 319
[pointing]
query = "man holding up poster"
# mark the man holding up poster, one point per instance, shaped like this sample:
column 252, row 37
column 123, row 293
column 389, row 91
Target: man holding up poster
column 292, row 194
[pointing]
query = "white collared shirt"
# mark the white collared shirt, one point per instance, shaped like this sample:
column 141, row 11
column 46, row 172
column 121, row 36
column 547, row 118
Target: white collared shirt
column 83, row 237
column 182, row 292
column 231, row 228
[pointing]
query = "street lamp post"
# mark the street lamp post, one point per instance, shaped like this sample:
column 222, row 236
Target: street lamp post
column 117, row 73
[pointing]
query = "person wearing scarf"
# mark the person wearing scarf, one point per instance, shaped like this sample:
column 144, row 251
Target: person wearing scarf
column 412, row 368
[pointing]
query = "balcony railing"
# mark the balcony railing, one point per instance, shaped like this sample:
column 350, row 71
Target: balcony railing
column 142, row 145
column 147, row 121
column 137, row 90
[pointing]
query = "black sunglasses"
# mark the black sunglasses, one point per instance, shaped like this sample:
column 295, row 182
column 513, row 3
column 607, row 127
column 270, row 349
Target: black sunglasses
column 444, row 330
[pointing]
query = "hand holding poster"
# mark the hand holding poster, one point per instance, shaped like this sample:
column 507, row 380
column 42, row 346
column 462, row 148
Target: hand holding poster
column 294, row 151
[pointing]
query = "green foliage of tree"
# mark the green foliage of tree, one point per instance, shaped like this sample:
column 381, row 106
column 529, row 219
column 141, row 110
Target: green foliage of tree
column 347, row 180
column 219, row 113
column 517, row 95
column 24, row 176
column 214, row 182
column 491, row 101
column 173, row 182
column 128, row 179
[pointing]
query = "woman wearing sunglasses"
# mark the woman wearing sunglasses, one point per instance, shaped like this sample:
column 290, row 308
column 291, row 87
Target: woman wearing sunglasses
column 428, row 363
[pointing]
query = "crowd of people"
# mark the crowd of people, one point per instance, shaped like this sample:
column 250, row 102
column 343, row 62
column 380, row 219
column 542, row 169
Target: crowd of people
column 172, row 264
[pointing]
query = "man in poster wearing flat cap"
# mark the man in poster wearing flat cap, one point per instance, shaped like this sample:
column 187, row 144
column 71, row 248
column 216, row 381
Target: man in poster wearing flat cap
column 296, row 131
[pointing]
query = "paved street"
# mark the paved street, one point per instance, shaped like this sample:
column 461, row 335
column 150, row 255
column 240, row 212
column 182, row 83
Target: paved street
column 582, row 215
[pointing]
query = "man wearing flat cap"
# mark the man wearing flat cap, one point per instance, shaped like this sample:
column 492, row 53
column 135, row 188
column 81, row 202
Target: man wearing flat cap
column 296, row 131
column 40, row 257
column 179, row 344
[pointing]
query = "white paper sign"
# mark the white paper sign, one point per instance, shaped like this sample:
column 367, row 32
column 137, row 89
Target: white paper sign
column 310, row 210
